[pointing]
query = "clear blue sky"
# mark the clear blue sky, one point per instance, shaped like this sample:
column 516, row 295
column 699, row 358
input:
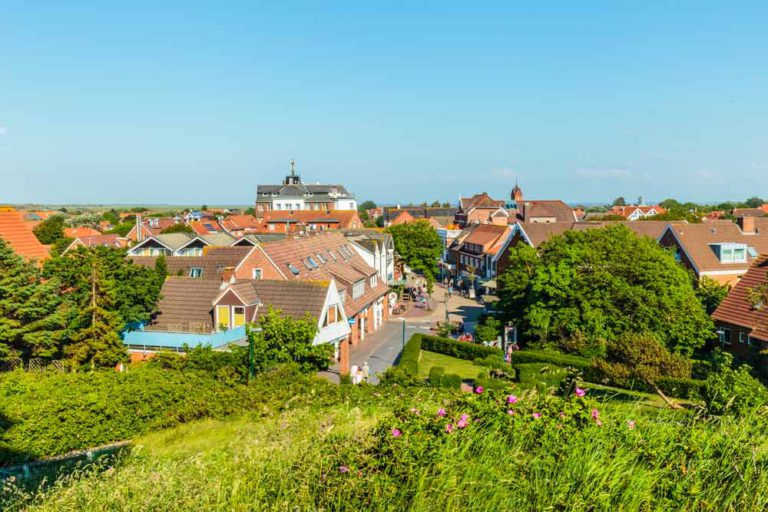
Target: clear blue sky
column 192, row 102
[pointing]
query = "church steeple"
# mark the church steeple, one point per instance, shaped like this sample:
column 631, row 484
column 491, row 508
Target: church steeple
column 293, row 178
column 517, row 194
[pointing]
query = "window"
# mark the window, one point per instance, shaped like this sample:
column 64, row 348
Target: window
column 374, row 281
column 222, row 317
column 742, row 337
column 271, row 227
column 195, row 272
column 313, row 262
column 321, row 258
column 307, row 264
column 731, row 253
column 343, row 296
column 725, row 336
column 256, row 273
column 238, row 316
column 332, row 316
column 293, row 269
column 358, row 289
column 332, row 255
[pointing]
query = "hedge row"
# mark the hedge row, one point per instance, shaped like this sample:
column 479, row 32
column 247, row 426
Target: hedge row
column 540, row 356
column 458, row 349
column 409, row 359
column 52, row 414
column 438, row 378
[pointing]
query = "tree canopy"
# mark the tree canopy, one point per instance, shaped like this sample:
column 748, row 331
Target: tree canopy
column 418, row 245
column 179, row 227
column 599, row 284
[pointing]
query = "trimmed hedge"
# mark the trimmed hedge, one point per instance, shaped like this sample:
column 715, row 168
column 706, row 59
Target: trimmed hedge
column 452, row 380
column 436, row 374
column 409, row 359
column 458, row 349
column 541, row 356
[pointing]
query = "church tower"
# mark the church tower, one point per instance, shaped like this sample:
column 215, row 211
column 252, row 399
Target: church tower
column 517, row 194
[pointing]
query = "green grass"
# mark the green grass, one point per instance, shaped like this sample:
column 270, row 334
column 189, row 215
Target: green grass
column 461, row 367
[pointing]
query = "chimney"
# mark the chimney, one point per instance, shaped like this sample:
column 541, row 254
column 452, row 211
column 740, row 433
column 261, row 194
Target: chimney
column 747, row 225
column 139, row 236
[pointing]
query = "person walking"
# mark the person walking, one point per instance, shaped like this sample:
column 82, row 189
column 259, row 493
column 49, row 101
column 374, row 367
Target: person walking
column 366, row 371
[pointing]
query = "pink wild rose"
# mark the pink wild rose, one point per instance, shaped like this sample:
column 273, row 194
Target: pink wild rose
column 479, row 390
column 536, row 415
column 396, row 432
column 511, row 399
column 449, row 428
column 580, row 392
column 441, row 412
column 595, row 414
column 510, row 412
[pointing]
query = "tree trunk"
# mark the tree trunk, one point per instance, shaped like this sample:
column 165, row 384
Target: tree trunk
column 664, row 397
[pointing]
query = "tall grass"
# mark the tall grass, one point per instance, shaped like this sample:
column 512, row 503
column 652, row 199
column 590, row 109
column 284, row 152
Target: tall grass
column 342, row 457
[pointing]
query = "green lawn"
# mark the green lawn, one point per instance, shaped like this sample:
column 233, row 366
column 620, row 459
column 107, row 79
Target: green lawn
column 465, row 369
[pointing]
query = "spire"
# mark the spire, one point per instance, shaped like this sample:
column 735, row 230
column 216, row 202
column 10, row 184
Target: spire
column 293, row 167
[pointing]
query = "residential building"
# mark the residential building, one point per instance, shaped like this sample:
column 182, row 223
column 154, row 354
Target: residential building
column 538, row 210
column 377, row 250
column 214, row 264
column 751, row 212
column 720, row 250
column 179, row 244
column 475, row 255
column 302, row 221
column 442, row 216
column 481, row 209
column 197, row 312
column 293, row 194
column 238, row 225
column 80, row 232
column 18, row 234
column 636, row 211
column 111, row 240
column 150, row 226
column 742, row 318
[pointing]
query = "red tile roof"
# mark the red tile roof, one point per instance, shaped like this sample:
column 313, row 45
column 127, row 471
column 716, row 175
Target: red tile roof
column 697, row 241
column 490, row 236
column 80, row 232
column 341, row 219
column 482, row 200
column 241, row 222
column 738, row 308
column 18, row 234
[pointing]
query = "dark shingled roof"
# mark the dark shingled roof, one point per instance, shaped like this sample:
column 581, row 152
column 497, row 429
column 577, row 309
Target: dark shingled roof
column 295, row 299
column 185, row 305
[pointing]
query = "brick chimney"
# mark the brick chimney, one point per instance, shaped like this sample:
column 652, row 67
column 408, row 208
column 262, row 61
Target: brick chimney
column 747, row 225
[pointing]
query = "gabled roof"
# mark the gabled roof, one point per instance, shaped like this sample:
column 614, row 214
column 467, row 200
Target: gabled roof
column 295, row 299
column 218, row 239
column 19, row 235
column 185, row 305
column 404, row 217
column 697, row 241
column 212, row 264
column 738, row 308
column 343, row 219
column 240, row 222
column 482, row 200
column 749, row 212
column 547, row 209
column 111, row 240
column 489, row 236
column 257, row 238
column 80, row 232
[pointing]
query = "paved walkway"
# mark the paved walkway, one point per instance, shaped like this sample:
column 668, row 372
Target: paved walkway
column 382, row 348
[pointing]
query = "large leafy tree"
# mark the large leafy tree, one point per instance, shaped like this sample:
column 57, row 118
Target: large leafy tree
column 418, row 245
column 50, row 230
column 280, row 339
column 31, row 312
column 599, row 284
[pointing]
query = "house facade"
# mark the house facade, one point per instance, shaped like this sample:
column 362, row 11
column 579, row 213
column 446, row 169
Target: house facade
column 293, row 194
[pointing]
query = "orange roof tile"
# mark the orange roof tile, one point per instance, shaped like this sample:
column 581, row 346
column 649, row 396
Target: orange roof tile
column 15, row 231
column 80, row 232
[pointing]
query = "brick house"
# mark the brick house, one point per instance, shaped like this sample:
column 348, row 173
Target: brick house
column 633, row 212
column 742, row 318
column 302, row 221
column 720, row 250
column 475, row 254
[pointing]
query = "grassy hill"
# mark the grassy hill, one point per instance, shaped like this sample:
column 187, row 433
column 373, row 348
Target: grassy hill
column 304, row 444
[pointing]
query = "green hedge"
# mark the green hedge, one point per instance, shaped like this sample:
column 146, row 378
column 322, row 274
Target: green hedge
column 436, row 374
column 409, row 359
column 452, row 380
column 458, row 349
column 43, row 415
column 541, row 356
column 681, row 388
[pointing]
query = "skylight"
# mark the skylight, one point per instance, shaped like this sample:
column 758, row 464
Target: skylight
column 752, row 252
column 307, row 264
column 293, row 269
column 333, row 255
column 320, row 258
column 313, row 262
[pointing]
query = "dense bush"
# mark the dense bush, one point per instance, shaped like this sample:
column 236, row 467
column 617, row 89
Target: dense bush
column 733, row 391
column 51, row 414
column 452, row 381
column 542, row 356
column 680, row 387
column 458, row 349
column 409, row 359
column 436, row 374
column 398, row 376
column 493, row 362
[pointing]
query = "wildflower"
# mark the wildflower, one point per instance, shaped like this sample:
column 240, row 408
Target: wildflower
column 511, row 399
column 441, row 412
column 598, row 423
column 536, row 415
column 595, row 414
column 580, row 392
column 343, row 469
column 463, row 421
column 510, row 412
column 631, row 424
column 396, row 432
column 562, row 414
column 449, row 428
column 479, row 390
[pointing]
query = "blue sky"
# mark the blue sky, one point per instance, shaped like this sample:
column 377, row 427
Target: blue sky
column 197, row 102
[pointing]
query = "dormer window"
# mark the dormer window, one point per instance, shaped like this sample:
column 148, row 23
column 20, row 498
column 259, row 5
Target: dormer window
column 730, row 252
column 358, row 289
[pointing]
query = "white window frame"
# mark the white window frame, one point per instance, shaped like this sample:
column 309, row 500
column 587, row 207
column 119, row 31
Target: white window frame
column 256, row 273
column 723, row 339
column 195, row 272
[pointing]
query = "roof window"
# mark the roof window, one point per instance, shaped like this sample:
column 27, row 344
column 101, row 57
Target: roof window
column 293, row 269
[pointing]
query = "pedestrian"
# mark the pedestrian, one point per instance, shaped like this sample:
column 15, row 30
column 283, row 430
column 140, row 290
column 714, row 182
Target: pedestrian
column 450, row 291
column 366, row 371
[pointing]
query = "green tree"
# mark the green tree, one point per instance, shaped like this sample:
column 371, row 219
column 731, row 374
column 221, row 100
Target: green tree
column 642, row 357
column 754, row 202
column 418, row 245
column 95, row 339
column 711, row 293
column 367, row 205
column 732, row 390
column 179, row 227
column 488, row 330
column 50, row 230
column 601, row 283
column 619, row 201
column 283, row 339
column 31, row 317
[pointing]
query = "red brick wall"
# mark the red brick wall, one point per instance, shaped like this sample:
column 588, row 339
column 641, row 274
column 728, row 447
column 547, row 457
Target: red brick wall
column 257, row 259
column 503, row 262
